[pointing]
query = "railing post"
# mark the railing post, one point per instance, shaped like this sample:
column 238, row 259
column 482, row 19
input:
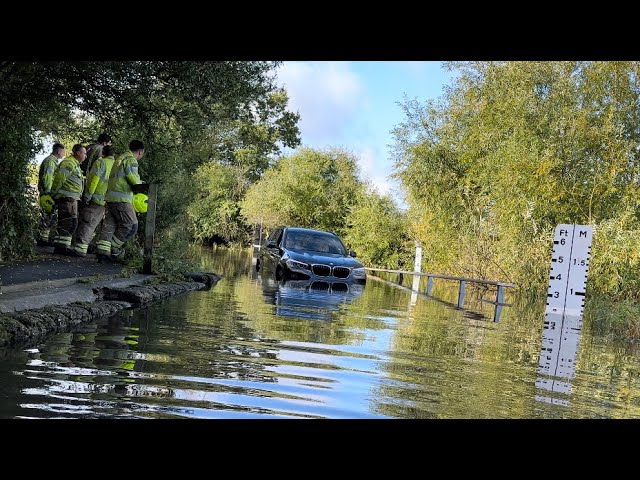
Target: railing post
column 499, row 301
column 429, row 285
column 417, row 267
column 497, row 312
column 150, row 229
column 500, row 294
column 461, row 294
column 400, row 278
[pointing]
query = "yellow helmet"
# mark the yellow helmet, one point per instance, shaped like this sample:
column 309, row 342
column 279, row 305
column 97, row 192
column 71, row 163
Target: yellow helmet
column 140, row 202
column 47, row 203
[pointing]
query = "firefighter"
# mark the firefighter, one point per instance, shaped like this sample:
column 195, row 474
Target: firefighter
column 67, row 188
column 121, row 222
column 45, row 181
column 94, row 151
column 93, row 208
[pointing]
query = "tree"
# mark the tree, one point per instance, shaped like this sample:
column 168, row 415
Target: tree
column 379, row 233
column 215, row 214
column 311, row 188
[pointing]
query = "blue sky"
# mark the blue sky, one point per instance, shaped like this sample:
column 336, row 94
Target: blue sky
column 353, row 105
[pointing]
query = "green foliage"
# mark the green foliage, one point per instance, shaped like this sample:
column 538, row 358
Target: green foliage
column 379, row 233
column 175, row 254
column 214, row 212
column 311, row 188
column 18, row 211
column 513, row 149
column 617, row 319
column 615, row 257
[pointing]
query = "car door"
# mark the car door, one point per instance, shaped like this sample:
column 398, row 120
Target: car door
column 271, row 249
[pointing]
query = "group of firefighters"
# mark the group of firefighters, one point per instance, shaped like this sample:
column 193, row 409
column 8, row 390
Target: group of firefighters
column 79, row 203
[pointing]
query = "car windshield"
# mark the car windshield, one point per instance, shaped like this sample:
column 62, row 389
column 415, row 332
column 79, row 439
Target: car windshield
column 314, row 242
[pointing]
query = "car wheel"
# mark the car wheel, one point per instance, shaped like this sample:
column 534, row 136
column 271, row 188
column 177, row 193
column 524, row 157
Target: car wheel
column 280, row 274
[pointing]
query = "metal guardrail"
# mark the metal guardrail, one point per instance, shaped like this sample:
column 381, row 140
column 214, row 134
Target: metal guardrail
column 500, row 286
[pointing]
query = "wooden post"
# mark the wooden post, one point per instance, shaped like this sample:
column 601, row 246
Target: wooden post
column 150, row 229
column 461, row 294
column 429, row 285
column 417, row 267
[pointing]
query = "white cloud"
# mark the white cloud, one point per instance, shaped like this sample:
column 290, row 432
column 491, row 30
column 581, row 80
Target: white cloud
column 367, row 161
column 373, row 169
column 416, row 69
column 328, row 96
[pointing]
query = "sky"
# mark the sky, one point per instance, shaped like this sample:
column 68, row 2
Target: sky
column 354, row 105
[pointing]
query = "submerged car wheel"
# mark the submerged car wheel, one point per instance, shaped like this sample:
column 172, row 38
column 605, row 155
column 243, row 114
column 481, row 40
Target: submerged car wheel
column 280, row 273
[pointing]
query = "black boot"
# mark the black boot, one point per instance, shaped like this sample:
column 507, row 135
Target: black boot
column 102, row 257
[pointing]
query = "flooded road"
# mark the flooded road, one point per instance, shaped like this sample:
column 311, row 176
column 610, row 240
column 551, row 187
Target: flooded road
column 252, row 347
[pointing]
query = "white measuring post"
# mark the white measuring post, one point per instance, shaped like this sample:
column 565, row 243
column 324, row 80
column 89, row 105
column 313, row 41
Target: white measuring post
column 417, row 267
column 565, row 305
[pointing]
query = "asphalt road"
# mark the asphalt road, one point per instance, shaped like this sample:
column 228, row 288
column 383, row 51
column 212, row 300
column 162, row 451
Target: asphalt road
column 54, row 267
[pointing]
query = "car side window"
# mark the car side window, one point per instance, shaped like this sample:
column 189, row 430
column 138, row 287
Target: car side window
column 279, row 235
column 275, row 236
column 272, row 236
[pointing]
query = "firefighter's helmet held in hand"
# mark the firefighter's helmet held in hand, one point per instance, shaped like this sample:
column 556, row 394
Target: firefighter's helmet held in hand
column 140, row 202
column 47, row 204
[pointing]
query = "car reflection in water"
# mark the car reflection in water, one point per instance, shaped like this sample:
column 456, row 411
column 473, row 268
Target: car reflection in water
column 310, row 299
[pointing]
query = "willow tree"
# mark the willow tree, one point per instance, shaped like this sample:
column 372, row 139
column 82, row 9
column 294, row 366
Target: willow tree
column 311, row 188
column 379, row 233
column 183, row 111
column 514, row 148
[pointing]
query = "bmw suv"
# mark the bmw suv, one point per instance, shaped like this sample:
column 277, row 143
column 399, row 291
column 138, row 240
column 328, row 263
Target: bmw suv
column 302, row 253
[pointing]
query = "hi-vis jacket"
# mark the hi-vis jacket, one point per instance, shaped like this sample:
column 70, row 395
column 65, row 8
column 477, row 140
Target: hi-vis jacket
column 124, row 174
column 94, row 152
column 98, row 180
column 46, row 174
column 68, row 181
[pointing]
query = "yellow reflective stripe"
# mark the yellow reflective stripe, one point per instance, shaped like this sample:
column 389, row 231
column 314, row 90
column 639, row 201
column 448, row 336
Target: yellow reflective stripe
column 128, row 196
column 67, row 193
column 81, row 247
column 115, row 242
column 64, row 241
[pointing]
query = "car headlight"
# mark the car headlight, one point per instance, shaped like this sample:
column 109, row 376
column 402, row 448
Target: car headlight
column 359, row 272
column 295, row 264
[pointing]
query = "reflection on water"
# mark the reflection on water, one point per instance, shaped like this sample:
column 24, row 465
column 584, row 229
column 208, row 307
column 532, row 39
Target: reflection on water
column 558, row 352
column 308, row 299
column 251, row 347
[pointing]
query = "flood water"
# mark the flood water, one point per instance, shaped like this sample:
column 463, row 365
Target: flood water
column 252, row 347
